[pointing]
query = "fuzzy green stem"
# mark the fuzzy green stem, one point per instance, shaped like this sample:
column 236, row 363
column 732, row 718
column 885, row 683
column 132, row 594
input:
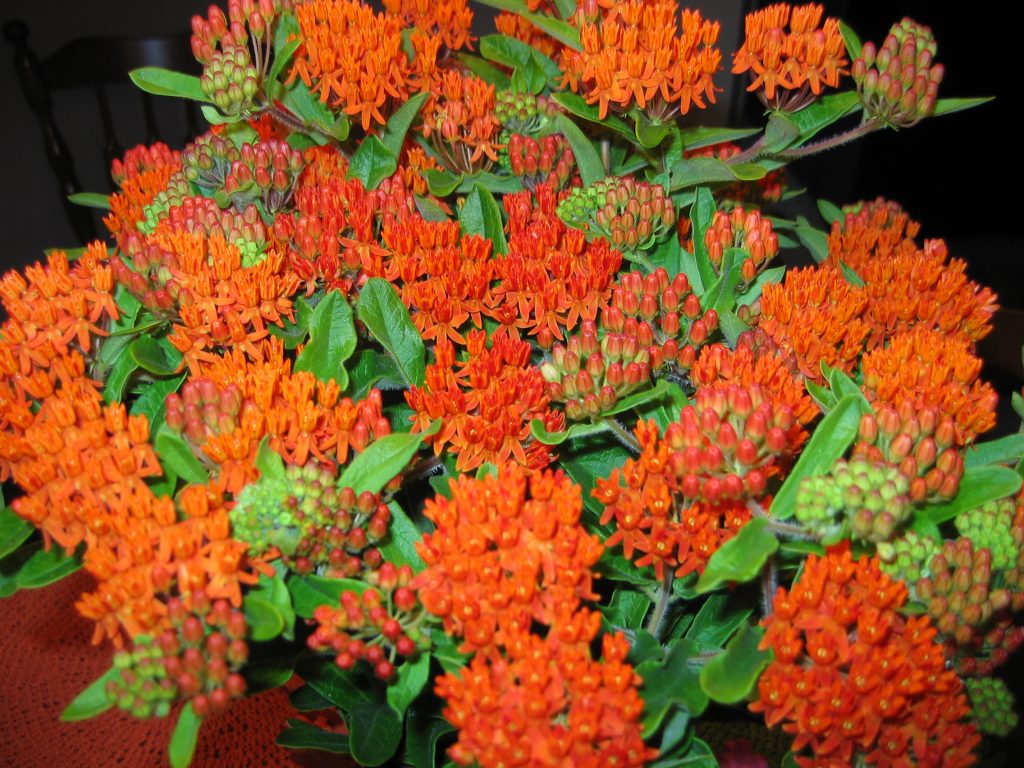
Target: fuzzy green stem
column 627, row 437
column 769, row 585
column 655, row 624
column 868, row 126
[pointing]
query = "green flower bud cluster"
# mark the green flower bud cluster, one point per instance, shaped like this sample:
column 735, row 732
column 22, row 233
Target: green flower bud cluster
column 907, row 557
column 197, row 659
column 314, row 524
column 899, row 83
column 172, row 195
column 871, row 496
column 990, row 526
column 230, row 80
column 632, row 215
column 207, row 161
column 544, row 160
column 992, row 706
column 523, row 113
column 265, row 172
column 590, row 376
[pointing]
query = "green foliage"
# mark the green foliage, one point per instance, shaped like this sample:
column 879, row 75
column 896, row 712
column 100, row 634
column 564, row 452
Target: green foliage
column 300, row 734
column 92, row 701
column 372, row 163
column 979, row 485
column 671, row 682
column 184, row 738
column 163, row 82
column 741, row 558
column 730, row 677
column 388, row 321
column 14, row 531
column 332, row 340
column 480, row 215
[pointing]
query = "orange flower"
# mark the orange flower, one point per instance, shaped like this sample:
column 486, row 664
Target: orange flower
column 548, row 703
column 928, row 369
column 853, row 679
column 789, row 67
column 351, row 58
column 486, row 405
column 141, row 175
column 506, row 550
column 879, row 228
column 462, row 125
column 449, row 20
column 634, row 54
column 815, row 315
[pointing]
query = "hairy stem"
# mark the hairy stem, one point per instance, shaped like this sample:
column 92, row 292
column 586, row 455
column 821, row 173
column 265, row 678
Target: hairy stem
column 868, row 126
column 769, row 585
column 789, row 530
column 655, row 624
column 622, row 433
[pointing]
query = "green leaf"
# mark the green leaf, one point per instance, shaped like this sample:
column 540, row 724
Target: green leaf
column 586, row 460
column 671, row 682
column 92, row 701
column 304, row 735
column 564, row 33
column 540, row 434
column 410, row 680
column 850, row 275
column 730, row 676
column 780, row 133
column 91, row 200
column 313, row 113
column 695, row 171
column 979, row 485
column 372, row 163
column 1005, row 450
column 843, row 386
column 155, row 356
column 700, row 136
column 399, row 123
column 13, row 531
column 268, row 461
column 306, row 699
column 120, row 373
column 332, row 340
column 176, row 454
column 949, row 106
column 400, row 547
column 382, row 460
column 813, row 239
column 153, row 400
column 753, row 291
column 373, row 369
column 823, row 112
column 286, row 41
column 578, row 106
column 441, row 183
column 342, row 688
column 294, row 334
column 823, row 396
column 717, row 619
column 513, row 54
column 388, row 321
column 588, row 160
column 480, row 215
column 731, row 326
column 650, row 134
column 498, row 185
column 626, row 609
column 698, row 267
column 484, row 70
column 163, row 82
column 310, row 592
column 184, row 738
column 374, row 732
column 422, row 732
column 265, row 621
column 830, row 212
column 529, row 78
column 270, row 665
column 45, row 566
column 741, row 558
column 829, row 442
column 446, row 651
column 853, row 44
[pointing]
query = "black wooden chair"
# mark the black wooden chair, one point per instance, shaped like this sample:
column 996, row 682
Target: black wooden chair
column 93, row 63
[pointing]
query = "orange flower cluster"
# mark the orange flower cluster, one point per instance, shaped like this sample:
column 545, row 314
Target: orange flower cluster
column 352, row 58
column 634, row 54
column 789, row 67
column 552, row 277
column 509, row 550
column 929, row 369
column 879, row 228
column 506, row 551
column 853, row 679
column 687, row 492
column 485, row 403
column 449, row 20
column 461, row 123
column 815, row 315
column 140, row 176
column 301, row 416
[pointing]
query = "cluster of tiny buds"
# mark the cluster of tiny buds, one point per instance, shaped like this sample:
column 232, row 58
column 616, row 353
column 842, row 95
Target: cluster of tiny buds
column 202, row 409
column 544, row 160
column 207, row 161
column 197, row 658
column 632, row 215
column 747, row 231
column 522, row 112
column 167, row 199
column 230, row 80
column 663, row 314
column 149, row 277
column 919, row 442
column 266, row 171
column 375, row 626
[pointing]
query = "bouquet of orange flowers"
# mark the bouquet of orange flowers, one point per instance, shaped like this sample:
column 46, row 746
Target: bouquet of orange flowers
column 455, row 384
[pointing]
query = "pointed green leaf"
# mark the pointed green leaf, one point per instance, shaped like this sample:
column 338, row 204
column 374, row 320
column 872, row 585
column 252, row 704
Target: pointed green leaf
column 578, row 106
column 387, row 319
column 741, row 558
column 332, row 340
column 671, row 682
column 372, row 163
column 1005, row 450
column 13, row 531
column 268, row 461
column 313, row 113
column 156, row 356
column 153, row 401
column 780, row 133
column 399, row 123
column 979, row 485
column 441, row 183
column 588, row 159
column 822, row 113
column 422, row 733
column 163, row 82
column 694, row 171
column 830, row 212
column 564, row 33
column 480, row 215
column 540, row 434
column 92, row 701
column 949, row 106
column 702, row 212
column 304, row 735
column 717, row 619
column 306, row 699
column 513, row 53
column 374, row 732
column 91, row 200
column 409, row 682
column 699, row 136
column 381, row 462
column 833, row 435
column 853, row 43
column 175, row 454
column 286, row 41
column 730, row 676
column 753, row 291
column 626, row 609
column 484, row 70
column 813, row 239
column 731, row 326
column 265, row 621
column 650, row 134
column 310, row 592
column 400, row 546
column 184, row 738
column 373, row 369
column 529, row 78
column 46, row 566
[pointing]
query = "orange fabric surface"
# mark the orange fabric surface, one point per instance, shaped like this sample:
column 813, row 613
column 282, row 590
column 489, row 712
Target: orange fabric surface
column 46, row 660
